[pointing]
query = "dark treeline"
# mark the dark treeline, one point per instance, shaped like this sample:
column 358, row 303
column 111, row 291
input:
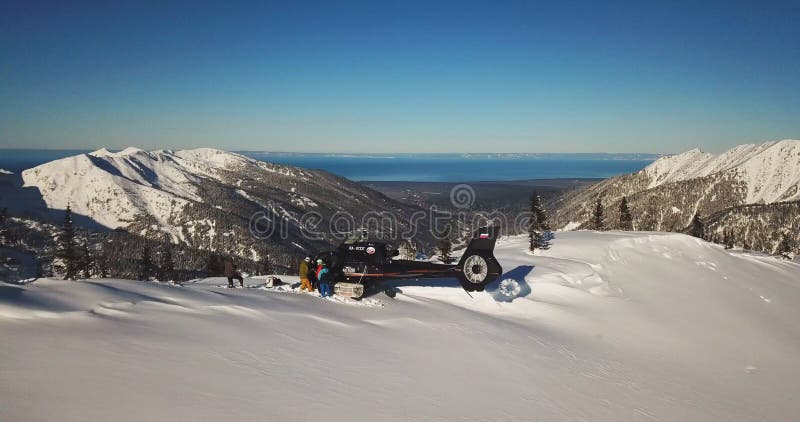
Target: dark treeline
column 72, row 252
column 711, row 207
column 119, row 254
column 768, row 228
column 771, row 228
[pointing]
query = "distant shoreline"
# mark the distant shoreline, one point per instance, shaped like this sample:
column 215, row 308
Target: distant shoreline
column 447, row 168
column 554, row 182
column 482, row 154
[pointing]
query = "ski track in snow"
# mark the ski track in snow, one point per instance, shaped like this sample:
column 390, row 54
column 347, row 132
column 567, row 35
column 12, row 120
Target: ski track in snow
column 605, row 326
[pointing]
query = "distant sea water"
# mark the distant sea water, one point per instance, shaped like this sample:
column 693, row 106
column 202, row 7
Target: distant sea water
column 465, row 168
column 16, row 160
column 413, row 167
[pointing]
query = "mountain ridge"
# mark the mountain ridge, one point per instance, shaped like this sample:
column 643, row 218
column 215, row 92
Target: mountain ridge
column 752, row 162
column 206, row 199
column 668, row 193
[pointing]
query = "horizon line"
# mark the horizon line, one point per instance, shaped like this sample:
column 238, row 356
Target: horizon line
column 347, row 153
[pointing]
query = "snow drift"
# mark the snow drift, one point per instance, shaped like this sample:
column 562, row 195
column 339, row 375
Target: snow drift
column 604, row 326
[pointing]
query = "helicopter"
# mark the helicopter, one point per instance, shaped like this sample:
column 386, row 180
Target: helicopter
column 360, row 264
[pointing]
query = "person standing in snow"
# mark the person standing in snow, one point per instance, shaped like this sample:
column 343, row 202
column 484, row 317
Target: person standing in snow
column 312, row 275
column 305, row 283
column 231, row 273
column 324, row 279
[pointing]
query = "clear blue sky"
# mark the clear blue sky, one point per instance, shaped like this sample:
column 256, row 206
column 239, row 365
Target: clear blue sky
column 382, row 76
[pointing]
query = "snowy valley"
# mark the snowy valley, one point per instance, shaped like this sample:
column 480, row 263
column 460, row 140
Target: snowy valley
column 603, row 326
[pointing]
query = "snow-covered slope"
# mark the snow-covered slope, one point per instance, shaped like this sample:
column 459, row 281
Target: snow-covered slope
column 770, row 170
column 204, row 197
column 667, row 194
column 605, row 326
column 112, row 188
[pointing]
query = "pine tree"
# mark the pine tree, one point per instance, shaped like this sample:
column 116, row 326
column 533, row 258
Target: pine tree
column 86, row 261
column 166, row 271
column 598, row 222
column 538, row 228
column 697, row 228
column 102, row 262
column 180, row 257
column 146, row 264
column 215, row 266
column 103, row 255
column 446, row 245
column 4, row 232
column 786, row 247
column 265, row 264
column 407, row 250
column 66, row 248
column 727, row 239
column 625, row 217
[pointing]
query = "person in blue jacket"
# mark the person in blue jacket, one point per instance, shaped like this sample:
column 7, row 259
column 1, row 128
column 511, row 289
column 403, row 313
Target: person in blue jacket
column 324, row 279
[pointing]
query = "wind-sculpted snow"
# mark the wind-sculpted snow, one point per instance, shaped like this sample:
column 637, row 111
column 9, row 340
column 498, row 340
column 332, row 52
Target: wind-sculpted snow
column 602, row 326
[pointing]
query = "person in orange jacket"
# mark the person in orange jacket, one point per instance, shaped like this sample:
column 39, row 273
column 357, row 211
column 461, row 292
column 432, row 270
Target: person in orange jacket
column 305, row 283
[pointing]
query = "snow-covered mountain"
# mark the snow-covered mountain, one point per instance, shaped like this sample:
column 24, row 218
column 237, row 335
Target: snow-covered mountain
column 203, row 198
column 114, row 188
column 669, row 192
column 771, row 171
column 602, row 326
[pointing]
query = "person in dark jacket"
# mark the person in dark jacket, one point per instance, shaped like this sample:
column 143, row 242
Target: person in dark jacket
column 231, row 273
column 312, row 274
column 305, row 283
column 324, row 279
